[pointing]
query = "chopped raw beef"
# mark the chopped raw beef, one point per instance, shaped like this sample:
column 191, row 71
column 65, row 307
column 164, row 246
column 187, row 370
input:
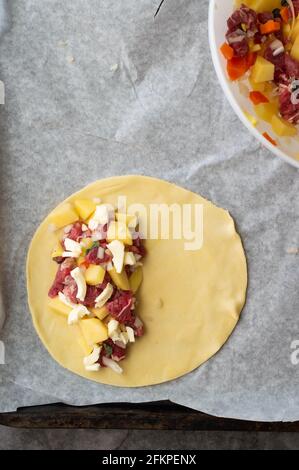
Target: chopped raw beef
column 63, row 271
column 120, row 307
column 264, row 17
column 243, row 15
column 92, row 292
column 291, row 67
column 238, row 42
column 258, row 38
column 76, row 232
column 70, row 289
column 278, row 61
column 288, row 110
column 296, row 6
column 138, row 248
column 92, row 256
column 110, row 349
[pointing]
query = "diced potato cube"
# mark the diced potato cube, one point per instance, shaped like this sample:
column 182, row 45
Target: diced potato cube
column 127, row 219
column 84, row 207
column 266, row 111
column 83, row 344
column 58, row 306
column 136, row 279
column 100, row 313
column 58, row 251
column 295, row 49
column 63, row 215
column 119, row 231
column 80, row 260
column 262, row 71
column 260, row 5
column 269, row 88
column 120, row 279
column 266, row 5
column 94, row 330
column 283, row 128
column 256, row 48
column 295, row 31
column 94, row 275
column 257, row 86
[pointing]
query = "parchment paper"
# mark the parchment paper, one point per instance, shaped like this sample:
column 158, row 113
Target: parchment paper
column 100, row 88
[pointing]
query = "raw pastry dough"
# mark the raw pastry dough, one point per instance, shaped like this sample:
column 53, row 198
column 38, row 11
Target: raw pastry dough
column 190, row 301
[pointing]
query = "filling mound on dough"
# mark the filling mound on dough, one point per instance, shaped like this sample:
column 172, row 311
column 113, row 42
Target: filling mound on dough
column 99, row 256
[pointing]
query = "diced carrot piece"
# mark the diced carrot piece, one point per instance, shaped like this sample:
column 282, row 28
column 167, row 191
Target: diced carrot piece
column 272, row 141
column 227, row 51
column 251, row 58
column 237, row 67
column 285, row 14
column 257, row 97
column 270, row 27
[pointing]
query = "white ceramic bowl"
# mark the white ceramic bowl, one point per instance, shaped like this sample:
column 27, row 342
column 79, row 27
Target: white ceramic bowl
column 287, row 148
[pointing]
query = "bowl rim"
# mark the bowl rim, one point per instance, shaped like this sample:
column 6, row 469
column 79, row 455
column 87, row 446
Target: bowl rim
column 229, row 95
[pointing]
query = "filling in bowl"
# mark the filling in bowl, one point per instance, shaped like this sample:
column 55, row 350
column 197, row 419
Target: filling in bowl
column 262, row 44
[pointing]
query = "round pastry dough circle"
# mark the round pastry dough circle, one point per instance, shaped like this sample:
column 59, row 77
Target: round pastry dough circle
column 190, row 301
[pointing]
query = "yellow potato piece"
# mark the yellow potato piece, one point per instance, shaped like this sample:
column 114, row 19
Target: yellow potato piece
column 260, row 5
column 120, row 279
column 295, row 49
column 94, row 275
column 58, row 306
column 257, row 86
column 84, row 207
column 58, row 251
column 266, row 111
column 125, row 218
column 119, row 231
column 295, row 31
column 262, row 71
column 63, row 215
column 136, row 279
column 283, row 128
column 83, row 344
column 100, row 313
column 94, row 330
column 80, row 260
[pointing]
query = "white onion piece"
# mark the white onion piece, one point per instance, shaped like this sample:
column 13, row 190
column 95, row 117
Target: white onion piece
column 130, row 333
column 235, row 39
column 278, row 51
column 97, row 235
column 276, row 44
column 112, row 364
column 93, row 368
column 93, row 357
column 78, row 276
column 104, row 296
column 77, row 313
column 101, row 252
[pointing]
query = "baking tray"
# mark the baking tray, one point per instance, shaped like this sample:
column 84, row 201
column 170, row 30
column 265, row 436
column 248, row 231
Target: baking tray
column 162, row 415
